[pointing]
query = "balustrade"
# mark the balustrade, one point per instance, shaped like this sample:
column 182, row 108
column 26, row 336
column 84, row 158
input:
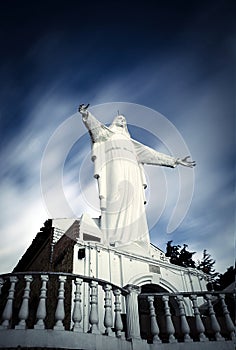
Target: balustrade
column 154, row 326
column 77, row 313
column 192, row 326
column 185, row 329
column 24, row 310
column 60, row 310
column 93, row 316
column 41, row 301
column 170, row 329
column 229, row 323
column 198, row 321
column 1, row 285
column 41, row 311
column 7, row 312
column 118, row 319
column 108, row 322
column 214, row 322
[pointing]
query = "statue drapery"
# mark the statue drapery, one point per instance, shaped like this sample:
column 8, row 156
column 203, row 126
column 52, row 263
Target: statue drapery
column 118, row 168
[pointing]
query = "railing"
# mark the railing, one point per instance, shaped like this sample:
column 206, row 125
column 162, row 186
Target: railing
column 187, row 317
column 75, row 303
column 37, row 300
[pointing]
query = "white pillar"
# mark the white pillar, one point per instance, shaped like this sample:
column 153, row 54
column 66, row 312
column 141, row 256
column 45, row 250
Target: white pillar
column 93, row 316
column 118, row 320
column 185, row 329
column 77, row 314
column 198, row 321
column 132, row 314
column 60, row 310
column 7, row 312
column 41, row 311
column 108, row 322
column 24, row 310
column 153, row 321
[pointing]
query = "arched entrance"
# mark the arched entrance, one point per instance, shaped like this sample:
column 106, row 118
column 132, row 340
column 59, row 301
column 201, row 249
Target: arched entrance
column 144, row 311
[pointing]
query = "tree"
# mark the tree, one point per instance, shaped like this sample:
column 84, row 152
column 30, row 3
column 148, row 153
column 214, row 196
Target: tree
column 179, row 257
column 206, row 265
column 185, row 257
column 182, row 257
column 224, row 280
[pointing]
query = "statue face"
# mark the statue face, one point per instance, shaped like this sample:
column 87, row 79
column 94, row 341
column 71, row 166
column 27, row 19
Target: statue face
column 120, row 121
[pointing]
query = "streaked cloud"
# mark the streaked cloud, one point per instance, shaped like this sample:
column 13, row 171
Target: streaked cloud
column 194, row 94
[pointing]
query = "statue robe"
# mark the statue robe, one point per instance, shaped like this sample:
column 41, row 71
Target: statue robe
column 118, row 168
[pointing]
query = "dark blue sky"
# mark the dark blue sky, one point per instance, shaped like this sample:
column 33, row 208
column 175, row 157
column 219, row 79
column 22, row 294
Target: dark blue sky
column 176, row 57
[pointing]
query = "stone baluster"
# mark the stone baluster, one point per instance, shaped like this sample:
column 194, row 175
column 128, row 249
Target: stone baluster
column 228, row 321
column 60, row 310
column 169, row 324
column 118, row 320
column 198, row 321
column 93, row 316
column 41, row 310
column 7, row 312
column 132, row 314
column 214, row 323
column 153, row 321
column 77, row 313
column 108, row 322
column 24, row 310
column 183, row 321
column 1, row 285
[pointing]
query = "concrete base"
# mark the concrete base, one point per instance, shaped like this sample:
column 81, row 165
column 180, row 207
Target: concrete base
column 33, row 338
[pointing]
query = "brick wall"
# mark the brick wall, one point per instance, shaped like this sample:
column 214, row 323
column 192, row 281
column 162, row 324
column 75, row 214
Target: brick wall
column 43, row 256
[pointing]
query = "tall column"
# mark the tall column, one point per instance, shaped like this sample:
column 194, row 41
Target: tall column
column 132, row 314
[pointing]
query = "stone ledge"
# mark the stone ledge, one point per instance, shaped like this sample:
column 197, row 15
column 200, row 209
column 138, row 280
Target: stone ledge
column 32, row 338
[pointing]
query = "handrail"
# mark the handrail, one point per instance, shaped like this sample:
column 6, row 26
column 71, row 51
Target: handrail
column 202, row 293
column 38, row 300
column 85, row 278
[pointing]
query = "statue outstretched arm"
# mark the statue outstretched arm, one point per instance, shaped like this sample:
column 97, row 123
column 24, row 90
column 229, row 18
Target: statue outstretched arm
column 97, row 130
column 147, row 155
column 83, row 110
column 186, row 162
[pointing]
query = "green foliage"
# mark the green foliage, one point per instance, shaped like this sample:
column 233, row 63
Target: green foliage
column 181, row 257
column 224, row 280
column 206, row 265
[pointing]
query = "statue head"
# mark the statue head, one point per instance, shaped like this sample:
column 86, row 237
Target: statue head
column 120, row 121
column 119, row 124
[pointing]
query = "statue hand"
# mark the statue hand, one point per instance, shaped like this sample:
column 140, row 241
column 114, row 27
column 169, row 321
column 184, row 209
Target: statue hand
column 186, row 162
column 83, row 109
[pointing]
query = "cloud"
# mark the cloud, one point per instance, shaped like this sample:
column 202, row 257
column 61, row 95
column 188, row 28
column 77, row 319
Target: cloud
column 198, row 106
column 22, row 214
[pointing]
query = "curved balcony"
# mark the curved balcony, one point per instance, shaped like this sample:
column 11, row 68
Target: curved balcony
column 68, row 311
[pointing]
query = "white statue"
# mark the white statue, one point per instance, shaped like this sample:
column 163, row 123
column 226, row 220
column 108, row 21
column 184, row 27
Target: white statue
column 118, row 168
